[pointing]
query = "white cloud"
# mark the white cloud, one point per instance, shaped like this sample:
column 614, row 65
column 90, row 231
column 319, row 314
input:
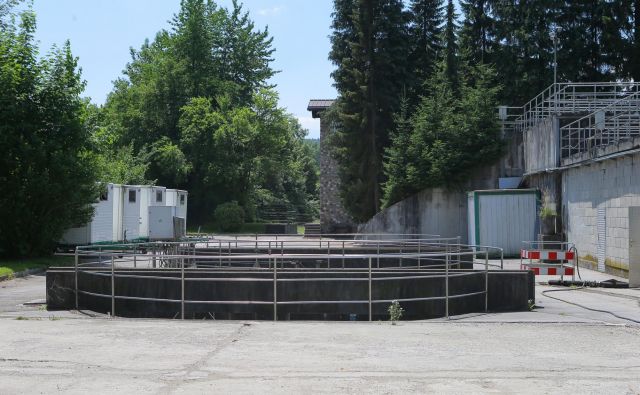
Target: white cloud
column 273, row 11
column 311, row 124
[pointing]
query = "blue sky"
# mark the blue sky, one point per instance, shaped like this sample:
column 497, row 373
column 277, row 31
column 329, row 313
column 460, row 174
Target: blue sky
column 102, row 31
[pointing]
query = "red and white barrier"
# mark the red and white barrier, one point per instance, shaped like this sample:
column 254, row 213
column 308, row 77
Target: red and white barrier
column 550, row 270
column 552, row 255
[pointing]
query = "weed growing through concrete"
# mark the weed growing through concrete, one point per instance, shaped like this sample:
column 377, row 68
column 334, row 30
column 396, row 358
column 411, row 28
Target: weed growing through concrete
column 395, row 312
column 532, row 304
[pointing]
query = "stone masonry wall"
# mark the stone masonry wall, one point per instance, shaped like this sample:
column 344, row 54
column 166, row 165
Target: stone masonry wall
column 333, row 216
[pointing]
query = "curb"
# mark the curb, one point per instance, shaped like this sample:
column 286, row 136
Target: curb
column 23, row 273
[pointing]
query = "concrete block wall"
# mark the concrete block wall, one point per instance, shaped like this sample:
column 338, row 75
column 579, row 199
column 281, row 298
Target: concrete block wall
column 612, row 185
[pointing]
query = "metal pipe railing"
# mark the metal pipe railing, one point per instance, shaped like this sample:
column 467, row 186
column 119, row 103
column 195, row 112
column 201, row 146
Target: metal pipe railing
column 448, row 250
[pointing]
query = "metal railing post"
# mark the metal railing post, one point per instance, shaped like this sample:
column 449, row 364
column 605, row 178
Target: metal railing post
column 446, row 286
column 370, row 318
column 135, row 256
column 275, row 292
column 343, row 254
column 329, row 254
column 113, row 288
column 182, row 290
column 486, row 280
column 76, row 279
column 220, row 253
column 419, row 253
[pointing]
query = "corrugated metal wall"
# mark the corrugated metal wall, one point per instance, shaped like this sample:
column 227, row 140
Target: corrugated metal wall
column 505, row 219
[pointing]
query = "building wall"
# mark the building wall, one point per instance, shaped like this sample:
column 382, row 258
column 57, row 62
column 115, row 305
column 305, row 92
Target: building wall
column 333, row 216
column 613, row 186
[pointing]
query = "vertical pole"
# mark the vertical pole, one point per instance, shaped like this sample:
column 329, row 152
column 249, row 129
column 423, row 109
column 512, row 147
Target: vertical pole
column 419, row 252
column 486, row 280
column 275, row 292
column 220, row 253
column 256, row 249
column 458, row 248
column 446, row 286
column 343, row 254
column 135, row 256
column 502, row 259
column 153, row 253
column 229, row 253
column 113, row 289
column 275, row 262
column 182, row 290
column 76, row 280
column 328, row 254
column 369, row 288
column 269, row 260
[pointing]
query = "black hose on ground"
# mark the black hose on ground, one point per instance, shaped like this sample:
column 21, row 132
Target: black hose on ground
column 575, row 251
column 585, row 307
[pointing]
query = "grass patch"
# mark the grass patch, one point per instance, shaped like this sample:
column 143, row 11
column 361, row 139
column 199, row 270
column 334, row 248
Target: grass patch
column 12, row 266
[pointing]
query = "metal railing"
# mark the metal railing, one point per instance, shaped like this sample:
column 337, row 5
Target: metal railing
column 620, row 121
column 568, row 98
column 444, row 256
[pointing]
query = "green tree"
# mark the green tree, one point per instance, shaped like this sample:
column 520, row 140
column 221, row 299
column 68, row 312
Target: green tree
column 425, row 18
column 396, row 161
column 369, row 48
column 447, row 137
column 45, row 167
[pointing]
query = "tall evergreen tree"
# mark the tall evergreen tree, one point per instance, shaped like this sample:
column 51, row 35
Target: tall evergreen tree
column 450, row 41
column 369, row 48
column 477, row 34
column 425, row 29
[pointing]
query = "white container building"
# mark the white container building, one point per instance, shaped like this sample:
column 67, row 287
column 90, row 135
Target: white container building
column 137, row 200
column 132, row 212
column 178, row 198
column 106, row 224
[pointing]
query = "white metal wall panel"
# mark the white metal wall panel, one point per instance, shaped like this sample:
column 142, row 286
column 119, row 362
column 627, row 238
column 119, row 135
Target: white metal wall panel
column 118, row 206
column 131, row 217
column 161, row 222
column 471, row 222
column 601, row 246
column 506, row 220
column 102, row 223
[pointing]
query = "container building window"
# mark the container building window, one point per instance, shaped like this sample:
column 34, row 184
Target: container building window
column 132, row 196
column 158, row 196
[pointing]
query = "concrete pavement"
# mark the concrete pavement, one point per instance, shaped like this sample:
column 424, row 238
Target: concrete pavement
column 557, row 348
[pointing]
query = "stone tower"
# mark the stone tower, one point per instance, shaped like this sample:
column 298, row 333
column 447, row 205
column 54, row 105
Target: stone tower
column 333, row 216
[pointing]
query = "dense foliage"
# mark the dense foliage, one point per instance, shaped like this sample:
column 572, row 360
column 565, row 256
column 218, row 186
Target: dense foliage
column 46, row 172
column 416, row 60
column 195, row 107
column 229, row 216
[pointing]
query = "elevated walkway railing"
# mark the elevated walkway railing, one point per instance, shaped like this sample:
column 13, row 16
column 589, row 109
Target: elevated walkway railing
column 568, row 98
column 612, row 124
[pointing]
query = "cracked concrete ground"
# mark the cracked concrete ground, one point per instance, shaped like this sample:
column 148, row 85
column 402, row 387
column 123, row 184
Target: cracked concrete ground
column 558, row 348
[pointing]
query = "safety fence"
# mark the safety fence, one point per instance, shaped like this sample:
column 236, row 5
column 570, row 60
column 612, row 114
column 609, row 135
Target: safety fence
column 281, row 262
